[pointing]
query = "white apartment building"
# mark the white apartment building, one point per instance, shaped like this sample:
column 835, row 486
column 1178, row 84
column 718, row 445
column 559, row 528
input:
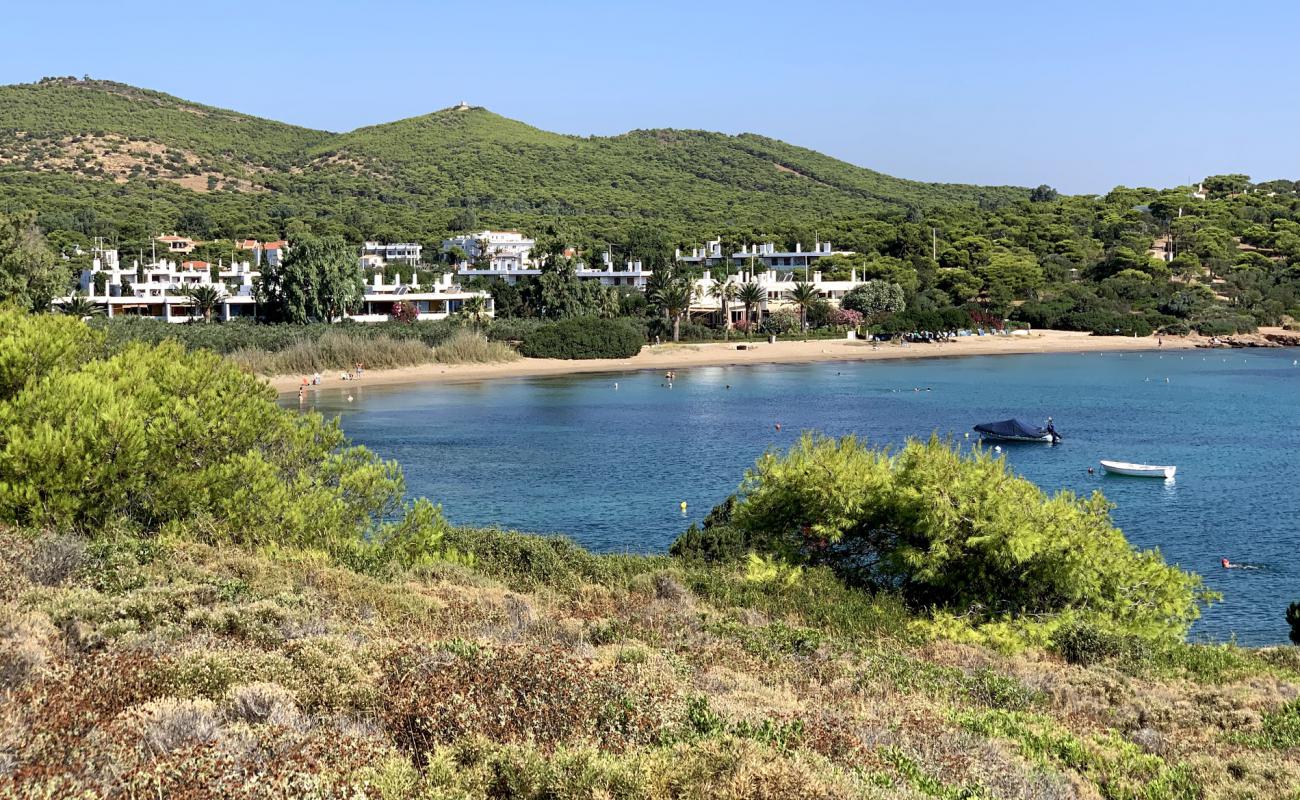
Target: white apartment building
column 769, row 258
column 508, row 250
column 439, row 300
column 158, row 291
column 398, row 252
column 777, row 289
column 631, row 273
column 764, row 255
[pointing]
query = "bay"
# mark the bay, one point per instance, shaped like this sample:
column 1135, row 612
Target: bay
column 608, row 459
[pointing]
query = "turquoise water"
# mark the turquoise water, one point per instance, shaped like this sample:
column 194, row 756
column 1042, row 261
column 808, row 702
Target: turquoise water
column 610, row 467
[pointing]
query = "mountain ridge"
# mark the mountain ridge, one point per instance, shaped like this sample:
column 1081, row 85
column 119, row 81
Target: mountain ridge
column 65, row 136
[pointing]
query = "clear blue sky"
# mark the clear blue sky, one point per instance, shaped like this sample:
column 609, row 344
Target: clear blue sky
column 1083, row 96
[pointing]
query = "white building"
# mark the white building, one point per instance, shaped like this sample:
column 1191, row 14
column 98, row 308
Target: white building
column 272, row 253
column 765, row 256
column 631, row 273
column 398, row 252
column 710, row 255
column 769, row 258
column 439, row 300
column 159, row 291
column 506, row 249
column 778, row 287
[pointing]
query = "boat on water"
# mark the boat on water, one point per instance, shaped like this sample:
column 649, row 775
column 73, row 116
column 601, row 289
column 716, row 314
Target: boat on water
column 1138, row 470
column 1015, row 430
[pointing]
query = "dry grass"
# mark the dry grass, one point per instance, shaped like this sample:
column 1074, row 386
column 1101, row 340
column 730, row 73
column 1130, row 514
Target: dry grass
column 334, row 351
column 473, row 348
column 285, row 670
column 337, row 351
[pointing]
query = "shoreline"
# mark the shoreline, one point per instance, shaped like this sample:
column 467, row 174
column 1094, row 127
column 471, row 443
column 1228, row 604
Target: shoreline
column 725, row 354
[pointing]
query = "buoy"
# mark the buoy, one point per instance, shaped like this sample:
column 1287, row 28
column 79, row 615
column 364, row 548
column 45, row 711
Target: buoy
column 967, row 434
column 615, row 385
column 778, row 426
column 349, row 398
column 683, row 506
column 997, row 448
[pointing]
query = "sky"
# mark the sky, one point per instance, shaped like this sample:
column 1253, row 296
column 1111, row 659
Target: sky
column 1083, row 96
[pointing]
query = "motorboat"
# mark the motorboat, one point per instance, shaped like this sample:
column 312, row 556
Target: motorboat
column 1015, row 430
column 1138, row 470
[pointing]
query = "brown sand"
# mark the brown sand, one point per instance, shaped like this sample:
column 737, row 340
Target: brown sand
column 670, row 356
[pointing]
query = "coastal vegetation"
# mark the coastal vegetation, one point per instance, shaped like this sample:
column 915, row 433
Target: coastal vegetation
column 584, row 337
column 205, row 595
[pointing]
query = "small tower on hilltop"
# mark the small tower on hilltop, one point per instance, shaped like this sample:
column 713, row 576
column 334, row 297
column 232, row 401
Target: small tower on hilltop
column 461, row 106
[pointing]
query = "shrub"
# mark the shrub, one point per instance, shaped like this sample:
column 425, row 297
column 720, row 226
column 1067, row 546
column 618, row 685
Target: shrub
column 1086, row 644
column 781, row 322
column 1293, row 619
column 1226, row 325
column 512, row 329
column 160, row 438
column 433, row 698
column 54, row 558
column 1106, row 323
column 583, row 337
column 262, row 704
column 169, row 724
column 405, row 311
column 960, row 533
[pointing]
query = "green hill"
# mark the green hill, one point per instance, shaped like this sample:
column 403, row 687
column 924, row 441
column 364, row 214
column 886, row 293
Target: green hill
column 144, row 160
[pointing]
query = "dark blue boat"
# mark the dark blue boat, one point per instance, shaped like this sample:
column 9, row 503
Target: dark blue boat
column 1015, row 430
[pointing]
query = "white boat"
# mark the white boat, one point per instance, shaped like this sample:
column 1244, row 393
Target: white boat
column 1138, row 470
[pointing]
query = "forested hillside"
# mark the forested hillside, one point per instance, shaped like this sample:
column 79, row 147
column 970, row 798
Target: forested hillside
column 103, row 158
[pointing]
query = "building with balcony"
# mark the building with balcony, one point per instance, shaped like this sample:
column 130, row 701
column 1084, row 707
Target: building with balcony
column 631, row 273
column 506, row 249
column 438, row 300
column 394, row 252
column 160, row 291
column 777, row 287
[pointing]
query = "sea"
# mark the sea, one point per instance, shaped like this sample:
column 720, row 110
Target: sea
column 609, row 459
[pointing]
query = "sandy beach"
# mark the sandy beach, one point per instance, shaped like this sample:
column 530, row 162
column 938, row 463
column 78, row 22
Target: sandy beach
column 685, row 356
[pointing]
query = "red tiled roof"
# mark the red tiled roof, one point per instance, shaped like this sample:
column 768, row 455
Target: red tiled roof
column 274, row 245
column 194, row 264
column 247, row 244
column 174, row 238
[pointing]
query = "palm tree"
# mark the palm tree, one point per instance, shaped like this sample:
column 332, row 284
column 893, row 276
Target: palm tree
column 804, row 295
column 474, row 311
column 206, row 297
column 79, row 306
column 725, row 291
column 675, row 299
column 751, row 295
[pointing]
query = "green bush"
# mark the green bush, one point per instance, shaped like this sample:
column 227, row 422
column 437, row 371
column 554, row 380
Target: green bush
column 1226, row 325
column 1084, row 644
column 583, row 337
column 155, row 437
column 512, row 329
column 1106, row 323
column 961, row 535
